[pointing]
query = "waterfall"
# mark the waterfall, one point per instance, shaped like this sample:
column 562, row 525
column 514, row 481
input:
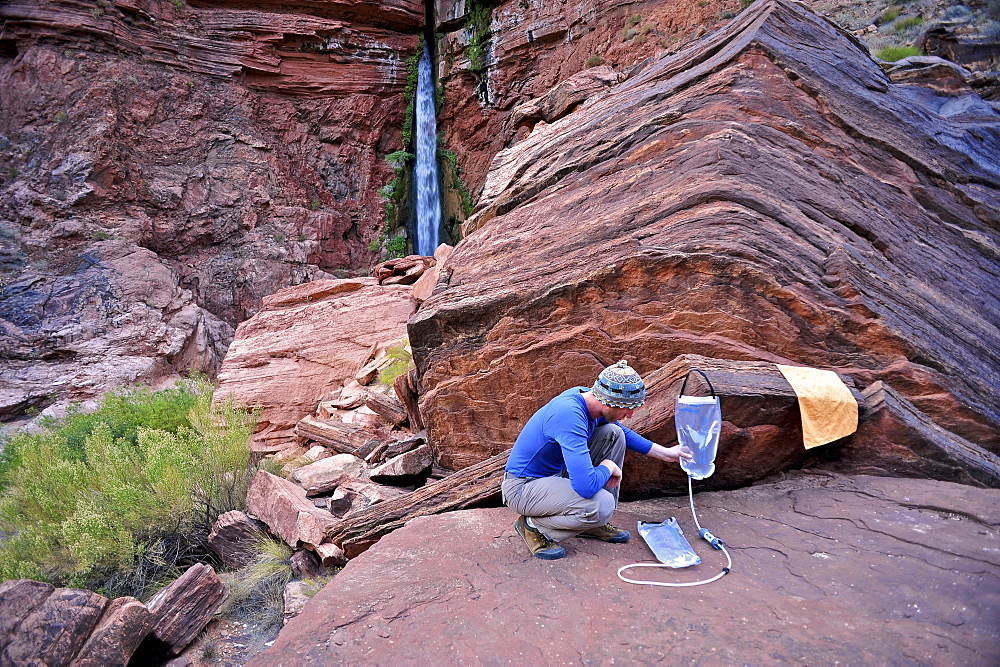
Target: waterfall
column 428, row 196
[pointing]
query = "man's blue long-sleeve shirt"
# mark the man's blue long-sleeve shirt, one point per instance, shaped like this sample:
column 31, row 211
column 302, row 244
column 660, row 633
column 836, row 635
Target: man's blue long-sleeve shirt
column 557, row 436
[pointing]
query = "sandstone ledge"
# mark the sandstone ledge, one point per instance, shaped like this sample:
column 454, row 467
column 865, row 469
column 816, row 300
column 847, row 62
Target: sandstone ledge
column 826, row 568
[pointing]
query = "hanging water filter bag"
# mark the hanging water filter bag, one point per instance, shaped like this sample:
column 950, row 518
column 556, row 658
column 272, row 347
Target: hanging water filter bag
column 699, row 423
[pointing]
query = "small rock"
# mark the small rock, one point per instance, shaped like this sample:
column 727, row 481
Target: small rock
column 321, row 476
column 410, row 464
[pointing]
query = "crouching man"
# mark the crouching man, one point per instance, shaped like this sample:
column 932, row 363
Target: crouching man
column 565, row 469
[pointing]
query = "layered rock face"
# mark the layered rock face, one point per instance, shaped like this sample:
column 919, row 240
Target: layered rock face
column 525, row 47
column 308, row 341
column 766, row 195
column 165, row 166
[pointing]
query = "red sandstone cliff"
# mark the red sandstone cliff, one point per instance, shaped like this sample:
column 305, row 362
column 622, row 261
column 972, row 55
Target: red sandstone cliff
column 766, row 194
column 166, row 165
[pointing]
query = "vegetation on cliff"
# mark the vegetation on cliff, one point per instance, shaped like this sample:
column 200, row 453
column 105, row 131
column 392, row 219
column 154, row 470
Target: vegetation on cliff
column 117, row 499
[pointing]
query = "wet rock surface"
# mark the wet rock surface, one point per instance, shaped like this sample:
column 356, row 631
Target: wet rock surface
column 826, row 568
column 749, row 198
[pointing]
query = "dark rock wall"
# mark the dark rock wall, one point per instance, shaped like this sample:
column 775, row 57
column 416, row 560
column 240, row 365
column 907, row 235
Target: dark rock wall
column 224, row 149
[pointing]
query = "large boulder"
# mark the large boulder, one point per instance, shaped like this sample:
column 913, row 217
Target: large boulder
column 826, row 569
column 307, row 341
column 283, row 506
column 182, row 609
column 748, row 198
column 124, row 625
column 56, row 629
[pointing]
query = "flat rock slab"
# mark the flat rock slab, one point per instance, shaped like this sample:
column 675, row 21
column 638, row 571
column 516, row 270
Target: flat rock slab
column 826, row 568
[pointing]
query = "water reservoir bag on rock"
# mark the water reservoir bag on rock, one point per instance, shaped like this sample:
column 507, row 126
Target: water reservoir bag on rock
column 668, row 543
column 699, row 422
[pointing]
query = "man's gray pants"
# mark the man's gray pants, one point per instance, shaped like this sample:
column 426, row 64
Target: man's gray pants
column 554, row 507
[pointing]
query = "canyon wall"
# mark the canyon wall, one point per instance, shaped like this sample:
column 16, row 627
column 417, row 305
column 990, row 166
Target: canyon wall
column 165, row 165
column 766, row 194
column 526, row 47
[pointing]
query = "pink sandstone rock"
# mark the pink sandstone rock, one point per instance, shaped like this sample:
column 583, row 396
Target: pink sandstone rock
column 326, row 474
column 713, row 203
column 307, row 341
column 121, row 629
column 181, row 609
column 234, row 538
column 55, row 631
column 283, row 506
column 223, row 151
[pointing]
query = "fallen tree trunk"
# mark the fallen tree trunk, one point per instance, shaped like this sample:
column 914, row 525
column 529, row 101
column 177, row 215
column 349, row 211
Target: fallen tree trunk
column 358, row 531
column 344, row 438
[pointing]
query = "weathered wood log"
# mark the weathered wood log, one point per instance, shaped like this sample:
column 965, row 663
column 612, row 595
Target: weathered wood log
column 344, row 438
column 405, row 391
column 358, row 531
column 402, row 446
column 386, row 407
column 898, row 440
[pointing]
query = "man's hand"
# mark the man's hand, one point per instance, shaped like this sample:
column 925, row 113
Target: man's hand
column 670, row 454
column 616, row 472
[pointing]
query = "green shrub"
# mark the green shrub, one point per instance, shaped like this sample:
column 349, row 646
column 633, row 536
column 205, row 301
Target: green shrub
column 893, row 53
column 410, row 93
column 478, row 23
column 907, row 23
column 594, row 61
column 889, row 14
column 257, row 591
column 116, row 499
column 634, row 20
column 396, row 246
column 61, row 117
column 402, row 361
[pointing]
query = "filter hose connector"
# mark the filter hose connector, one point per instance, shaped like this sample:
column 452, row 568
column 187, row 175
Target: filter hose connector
column 710, row 538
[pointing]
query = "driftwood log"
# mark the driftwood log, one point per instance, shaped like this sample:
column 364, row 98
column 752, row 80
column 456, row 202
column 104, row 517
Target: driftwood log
column 344, row 438
column 358, row 531
column 386, row 407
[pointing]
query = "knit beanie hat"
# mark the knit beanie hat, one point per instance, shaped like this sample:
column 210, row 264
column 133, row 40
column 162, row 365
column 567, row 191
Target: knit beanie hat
column 619, row 386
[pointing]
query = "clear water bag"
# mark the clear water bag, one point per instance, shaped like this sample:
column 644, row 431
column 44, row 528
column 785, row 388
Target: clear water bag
column 699, row 422
column 668, row 543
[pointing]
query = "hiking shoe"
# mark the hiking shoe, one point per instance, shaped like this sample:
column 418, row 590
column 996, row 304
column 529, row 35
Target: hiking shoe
column 539, row 545
column 609, row 533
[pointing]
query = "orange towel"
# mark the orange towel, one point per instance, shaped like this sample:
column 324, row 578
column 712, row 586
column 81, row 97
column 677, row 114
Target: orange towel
column 828, row 409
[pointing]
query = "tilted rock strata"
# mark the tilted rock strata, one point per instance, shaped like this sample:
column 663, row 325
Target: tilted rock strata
column 307, row 341
column 243, row 146
column 755, row 197
column 536, row 45
column 904, row 578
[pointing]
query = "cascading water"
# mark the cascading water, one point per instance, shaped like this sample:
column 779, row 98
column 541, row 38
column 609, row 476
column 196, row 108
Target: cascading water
column 426, row 172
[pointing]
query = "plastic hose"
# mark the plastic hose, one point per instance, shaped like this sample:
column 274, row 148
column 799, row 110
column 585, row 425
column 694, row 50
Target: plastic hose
column 705, row 535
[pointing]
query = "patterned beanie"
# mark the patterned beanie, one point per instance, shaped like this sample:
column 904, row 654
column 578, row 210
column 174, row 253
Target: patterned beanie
column 619, row 386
